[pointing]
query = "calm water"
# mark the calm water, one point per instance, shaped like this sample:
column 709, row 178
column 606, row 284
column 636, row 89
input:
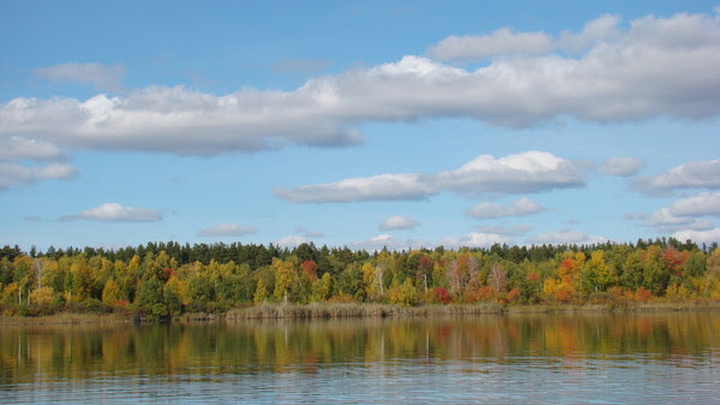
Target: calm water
column 565, row 359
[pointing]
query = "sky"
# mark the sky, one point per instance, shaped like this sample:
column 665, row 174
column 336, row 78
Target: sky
column 365, row 124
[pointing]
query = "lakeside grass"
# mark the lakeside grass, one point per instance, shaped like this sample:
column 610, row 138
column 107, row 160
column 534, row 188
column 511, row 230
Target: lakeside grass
column 66, row 318
column 356, row 310
column 271, row 311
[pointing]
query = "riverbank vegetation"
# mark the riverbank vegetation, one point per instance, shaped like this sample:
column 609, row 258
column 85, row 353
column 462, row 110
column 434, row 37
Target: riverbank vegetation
column 165, row 280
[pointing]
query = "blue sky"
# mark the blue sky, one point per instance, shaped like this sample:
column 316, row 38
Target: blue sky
column 363, row 124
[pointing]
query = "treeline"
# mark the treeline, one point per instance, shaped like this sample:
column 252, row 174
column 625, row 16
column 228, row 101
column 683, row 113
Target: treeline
column 158, row 280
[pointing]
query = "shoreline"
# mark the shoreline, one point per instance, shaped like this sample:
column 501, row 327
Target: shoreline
column 354, row 310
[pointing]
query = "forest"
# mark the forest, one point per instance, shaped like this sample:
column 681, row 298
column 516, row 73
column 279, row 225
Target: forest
column 159, row 280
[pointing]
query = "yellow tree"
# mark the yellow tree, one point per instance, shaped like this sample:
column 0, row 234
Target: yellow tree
column 111, row 293
column 25, row 277
column 286, row 277
column 595, row 274
column 373, row 279
column 261, row 293
column 713, row 271
column 83, row 279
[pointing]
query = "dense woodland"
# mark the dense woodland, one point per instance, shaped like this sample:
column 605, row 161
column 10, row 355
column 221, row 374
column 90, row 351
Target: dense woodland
column 159, row 280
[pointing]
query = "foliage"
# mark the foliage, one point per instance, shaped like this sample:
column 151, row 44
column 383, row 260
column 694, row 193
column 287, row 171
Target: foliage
column 159, row 280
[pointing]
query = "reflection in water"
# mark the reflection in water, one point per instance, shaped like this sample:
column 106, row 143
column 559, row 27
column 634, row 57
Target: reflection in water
column 516, row 358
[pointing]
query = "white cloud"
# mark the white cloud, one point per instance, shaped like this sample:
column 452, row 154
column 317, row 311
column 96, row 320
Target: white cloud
column 384, row 187
column 290, row 241
column 379, row 242
column 502, row 41
column 18, row 175
column 688, row 175
column 476, row 239
column 664, row 220
column 397, row 222
column 684, row 214
column 16, row 148
column 705, row 236
column 506, row 42
column 114, row 212
column 472, row 239
column 221, row 230
column 104, row 78
column 628, row 76
column 700, row 205
column 527, row 172
column 622, row 166
column 565, row 237
column 594, row 32
column 518, row 230
column 523, row 206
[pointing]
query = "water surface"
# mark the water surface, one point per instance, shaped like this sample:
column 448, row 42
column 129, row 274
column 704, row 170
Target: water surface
column 564, row 359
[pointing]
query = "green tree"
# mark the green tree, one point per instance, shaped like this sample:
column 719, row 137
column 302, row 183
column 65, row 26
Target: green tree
column 150, row 299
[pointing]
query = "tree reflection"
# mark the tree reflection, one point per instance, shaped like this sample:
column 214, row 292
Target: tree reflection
column 29, row 354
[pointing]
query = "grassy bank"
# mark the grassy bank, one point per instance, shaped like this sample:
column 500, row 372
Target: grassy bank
column 66, row 318
column 352, row 310
column 362, row 310
column 291, row 311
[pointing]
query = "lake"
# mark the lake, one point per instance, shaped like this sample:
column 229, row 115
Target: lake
column 560, row 359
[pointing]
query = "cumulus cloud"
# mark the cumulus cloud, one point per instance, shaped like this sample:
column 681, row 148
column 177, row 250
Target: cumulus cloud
column 476, row 239
column 594, row 32
column 506, row 42
column 705, row 236
column 518, row 230
column 686, row 213
column 114, row 212
column 397, row 222
column 565, row 237
column 527, row 172
column 627, row 76
column 502, row 41
column 384, row 187
column 523, row 206
column 16, row 148
column 17, row 155
column 665, row 221
column 689, row 175
column 379, row 242
column 472, row 239
column 290, row 241
column 221, row 230
column 622, row 166
column 19, row 175
column 700, row 205
column 103, row 78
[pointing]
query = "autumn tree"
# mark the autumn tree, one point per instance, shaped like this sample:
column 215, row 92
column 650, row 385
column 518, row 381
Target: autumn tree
column 461, row 272
column 595, row 274
column 497, row 279
column 287, row 281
